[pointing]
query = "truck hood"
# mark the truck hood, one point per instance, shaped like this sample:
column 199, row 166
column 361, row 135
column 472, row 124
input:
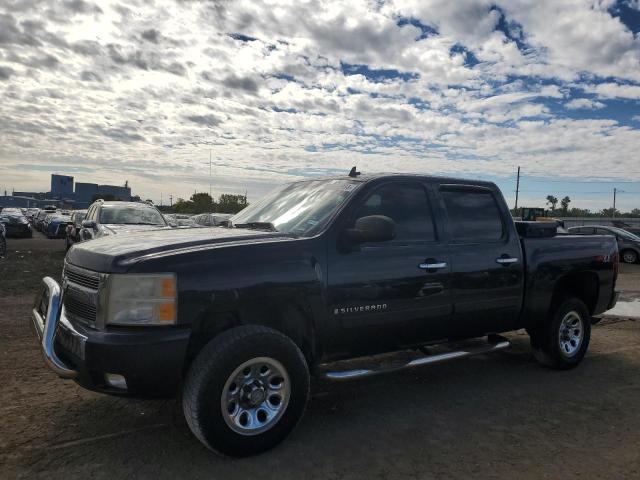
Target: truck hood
column 117, row 253
column 120, row 228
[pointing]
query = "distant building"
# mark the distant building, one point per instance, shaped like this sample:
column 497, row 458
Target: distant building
column 36, row 195
column 18, row 201
column 85, row 193
column 62, row 194
column 61, row 186
column 119, row 193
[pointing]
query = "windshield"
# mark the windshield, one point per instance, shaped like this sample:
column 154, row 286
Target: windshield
column 130, row 216
column 301, row 208
column 626, row 235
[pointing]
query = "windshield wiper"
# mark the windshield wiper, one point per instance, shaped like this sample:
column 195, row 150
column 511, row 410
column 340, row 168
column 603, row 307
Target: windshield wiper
column 257, row 226
column 142, row 223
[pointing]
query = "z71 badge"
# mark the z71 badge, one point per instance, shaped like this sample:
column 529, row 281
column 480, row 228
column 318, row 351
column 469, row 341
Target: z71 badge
column 362, row 309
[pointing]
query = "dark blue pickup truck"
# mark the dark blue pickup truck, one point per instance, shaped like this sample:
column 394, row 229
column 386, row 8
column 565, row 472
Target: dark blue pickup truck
column 305, row 282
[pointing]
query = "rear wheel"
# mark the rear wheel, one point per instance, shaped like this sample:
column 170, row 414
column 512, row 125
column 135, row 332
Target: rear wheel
column 246, row 391
column 563, row 342
column 629, row 256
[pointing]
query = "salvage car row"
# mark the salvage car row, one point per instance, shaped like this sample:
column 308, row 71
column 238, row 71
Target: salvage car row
column 135, row 216
column 118, row 216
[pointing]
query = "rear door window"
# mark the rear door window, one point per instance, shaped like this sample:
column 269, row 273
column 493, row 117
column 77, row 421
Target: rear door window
column 474, row 215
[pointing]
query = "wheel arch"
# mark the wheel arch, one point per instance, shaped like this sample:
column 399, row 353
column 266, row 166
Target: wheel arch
column 291, row 319
column 582, row 285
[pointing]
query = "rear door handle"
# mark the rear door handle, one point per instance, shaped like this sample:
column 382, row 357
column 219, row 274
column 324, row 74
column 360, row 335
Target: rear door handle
column 506, row 260
column 432, row 266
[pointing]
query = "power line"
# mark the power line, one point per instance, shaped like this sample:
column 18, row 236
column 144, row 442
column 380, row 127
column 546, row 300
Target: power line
column 582, row 181
column 608, row 192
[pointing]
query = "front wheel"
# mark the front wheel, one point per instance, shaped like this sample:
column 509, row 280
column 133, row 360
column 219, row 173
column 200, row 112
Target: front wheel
column 246, row 391
column 629, row 256
column 563, row 342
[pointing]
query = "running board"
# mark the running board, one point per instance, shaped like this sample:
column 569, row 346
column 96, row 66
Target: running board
column 495, row 343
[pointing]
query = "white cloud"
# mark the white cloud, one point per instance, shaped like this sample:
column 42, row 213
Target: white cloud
column 613, row 90
column 583, row 103
column 143, row 92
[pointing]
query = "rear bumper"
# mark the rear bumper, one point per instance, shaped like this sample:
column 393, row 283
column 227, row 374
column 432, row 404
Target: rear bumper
column 150, row 359
column 614, row 299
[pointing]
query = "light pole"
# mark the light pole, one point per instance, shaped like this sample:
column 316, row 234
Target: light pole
column 517, row 191
column 615, row 192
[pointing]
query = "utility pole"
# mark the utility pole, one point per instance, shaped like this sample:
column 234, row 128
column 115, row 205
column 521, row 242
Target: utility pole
column 615, row 193
column 160, row 198
column 517, row 189
column 170, row 200
column 210, row 173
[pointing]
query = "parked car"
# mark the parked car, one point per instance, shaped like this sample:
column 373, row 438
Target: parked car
column 3, row 241
column 626, row 226
column 111, row 217
column 180, row 220
column 15, row 224
column 211, row 219
column 56, row 226
column 628, row 243
column 72, row 232
column 236, row 319
column 11, row 210
column 40, row 218
column 31, row 214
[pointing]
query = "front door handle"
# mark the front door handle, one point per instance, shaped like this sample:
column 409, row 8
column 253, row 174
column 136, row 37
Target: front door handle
column 506, row 260
column 432, row 266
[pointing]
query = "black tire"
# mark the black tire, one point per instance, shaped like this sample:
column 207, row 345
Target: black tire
column 552, row 344
column 629, row 256
column 210, row 372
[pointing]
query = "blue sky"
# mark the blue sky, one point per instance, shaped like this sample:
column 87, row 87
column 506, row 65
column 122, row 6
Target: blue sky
column 282, row 90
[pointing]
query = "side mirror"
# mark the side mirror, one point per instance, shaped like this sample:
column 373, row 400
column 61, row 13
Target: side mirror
column 89, row 224
column 374, row 228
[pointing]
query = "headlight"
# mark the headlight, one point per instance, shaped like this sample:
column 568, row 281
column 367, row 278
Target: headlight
column 144, row 299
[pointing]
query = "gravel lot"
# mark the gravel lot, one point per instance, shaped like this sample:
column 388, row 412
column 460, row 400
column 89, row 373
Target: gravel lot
column 491, row 416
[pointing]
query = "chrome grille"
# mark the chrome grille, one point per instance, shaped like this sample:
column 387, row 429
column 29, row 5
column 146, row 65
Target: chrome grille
column 78, row 309
column 82, row 279
column 80, row 296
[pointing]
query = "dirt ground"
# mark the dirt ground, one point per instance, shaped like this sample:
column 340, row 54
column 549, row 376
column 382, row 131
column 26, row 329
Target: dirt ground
column 491, row 416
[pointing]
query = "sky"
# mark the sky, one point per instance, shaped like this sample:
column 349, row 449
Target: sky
column 275, row 91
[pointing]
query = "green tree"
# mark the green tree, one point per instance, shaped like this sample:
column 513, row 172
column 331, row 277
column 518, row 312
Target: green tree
column 564, row 203
column 608, row 212
column 202, row 203
column 228, row 203
column 182, row 206
column 552, row 201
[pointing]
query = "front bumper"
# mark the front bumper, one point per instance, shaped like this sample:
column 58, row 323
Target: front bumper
column 151, row 359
